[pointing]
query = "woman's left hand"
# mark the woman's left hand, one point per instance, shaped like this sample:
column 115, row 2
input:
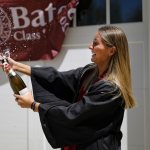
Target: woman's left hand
column 24, row 101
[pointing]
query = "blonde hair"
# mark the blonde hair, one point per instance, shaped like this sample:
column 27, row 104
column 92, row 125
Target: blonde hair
column 119, row 68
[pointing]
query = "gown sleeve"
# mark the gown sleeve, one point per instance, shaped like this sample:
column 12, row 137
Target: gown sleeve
column 65, row 123
column 46, row 80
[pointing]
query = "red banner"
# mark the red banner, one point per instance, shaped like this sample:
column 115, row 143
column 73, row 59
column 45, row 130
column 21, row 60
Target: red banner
column 34, row 29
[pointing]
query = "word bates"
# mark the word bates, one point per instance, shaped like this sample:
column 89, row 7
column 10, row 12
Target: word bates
column 21, row 19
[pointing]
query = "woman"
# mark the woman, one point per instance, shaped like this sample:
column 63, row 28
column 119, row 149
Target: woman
column 83, row 108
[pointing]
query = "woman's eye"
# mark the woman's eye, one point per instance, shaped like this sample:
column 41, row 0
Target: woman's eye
column 95, row 43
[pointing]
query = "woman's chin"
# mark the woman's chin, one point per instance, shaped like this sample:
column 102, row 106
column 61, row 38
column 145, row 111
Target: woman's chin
column 92, row 59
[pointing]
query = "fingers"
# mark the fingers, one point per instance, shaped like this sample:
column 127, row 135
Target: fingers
column 17, row 96
column 5, row 67
column 17, row 99
column 24, row 100
column 20, row 103
column 11, row 61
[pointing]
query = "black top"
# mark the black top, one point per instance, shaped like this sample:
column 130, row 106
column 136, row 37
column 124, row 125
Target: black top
column 92, row 123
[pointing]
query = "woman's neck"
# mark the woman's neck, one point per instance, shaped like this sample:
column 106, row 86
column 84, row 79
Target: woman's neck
column 103, row 71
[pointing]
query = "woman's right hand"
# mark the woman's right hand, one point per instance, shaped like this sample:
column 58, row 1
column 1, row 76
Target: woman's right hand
column 13, row 63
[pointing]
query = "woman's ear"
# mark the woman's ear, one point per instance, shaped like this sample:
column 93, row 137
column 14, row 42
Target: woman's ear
column 112, row 50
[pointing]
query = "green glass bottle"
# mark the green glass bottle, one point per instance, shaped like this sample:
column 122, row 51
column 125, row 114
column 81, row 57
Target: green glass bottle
column 17, row 84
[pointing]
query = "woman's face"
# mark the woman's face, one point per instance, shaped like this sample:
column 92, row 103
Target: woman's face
column 101, row 53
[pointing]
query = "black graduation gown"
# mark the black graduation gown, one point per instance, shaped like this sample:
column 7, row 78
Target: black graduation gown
column 92, row 123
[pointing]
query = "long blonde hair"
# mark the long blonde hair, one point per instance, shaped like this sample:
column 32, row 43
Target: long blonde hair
column 119, row 68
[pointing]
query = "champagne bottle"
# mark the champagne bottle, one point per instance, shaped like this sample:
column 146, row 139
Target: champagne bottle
column 17, row 84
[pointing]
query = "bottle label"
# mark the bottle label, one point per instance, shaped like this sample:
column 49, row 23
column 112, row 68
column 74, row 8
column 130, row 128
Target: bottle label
column 24, row 91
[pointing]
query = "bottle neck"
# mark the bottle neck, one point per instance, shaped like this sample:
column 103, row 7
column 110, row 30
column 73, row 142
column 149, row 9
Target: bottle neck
column 9, row 71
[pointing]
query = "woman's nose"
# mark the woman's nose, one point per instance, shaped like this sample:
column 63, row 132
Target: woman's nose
column 91, row 46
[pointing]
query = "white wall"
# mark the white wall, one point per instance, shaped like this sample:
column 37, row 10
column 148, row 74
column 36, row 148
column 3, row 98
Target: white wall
column 13, row 124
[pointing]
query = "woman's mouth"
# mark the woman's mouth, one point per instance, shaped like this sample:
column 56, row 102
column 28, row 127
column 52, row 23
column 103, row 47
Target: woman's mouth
column 93, row 54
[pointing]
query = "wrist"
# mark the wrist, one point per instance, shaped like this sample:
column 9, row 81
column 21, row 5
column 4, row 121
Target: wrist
column 35, row 106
